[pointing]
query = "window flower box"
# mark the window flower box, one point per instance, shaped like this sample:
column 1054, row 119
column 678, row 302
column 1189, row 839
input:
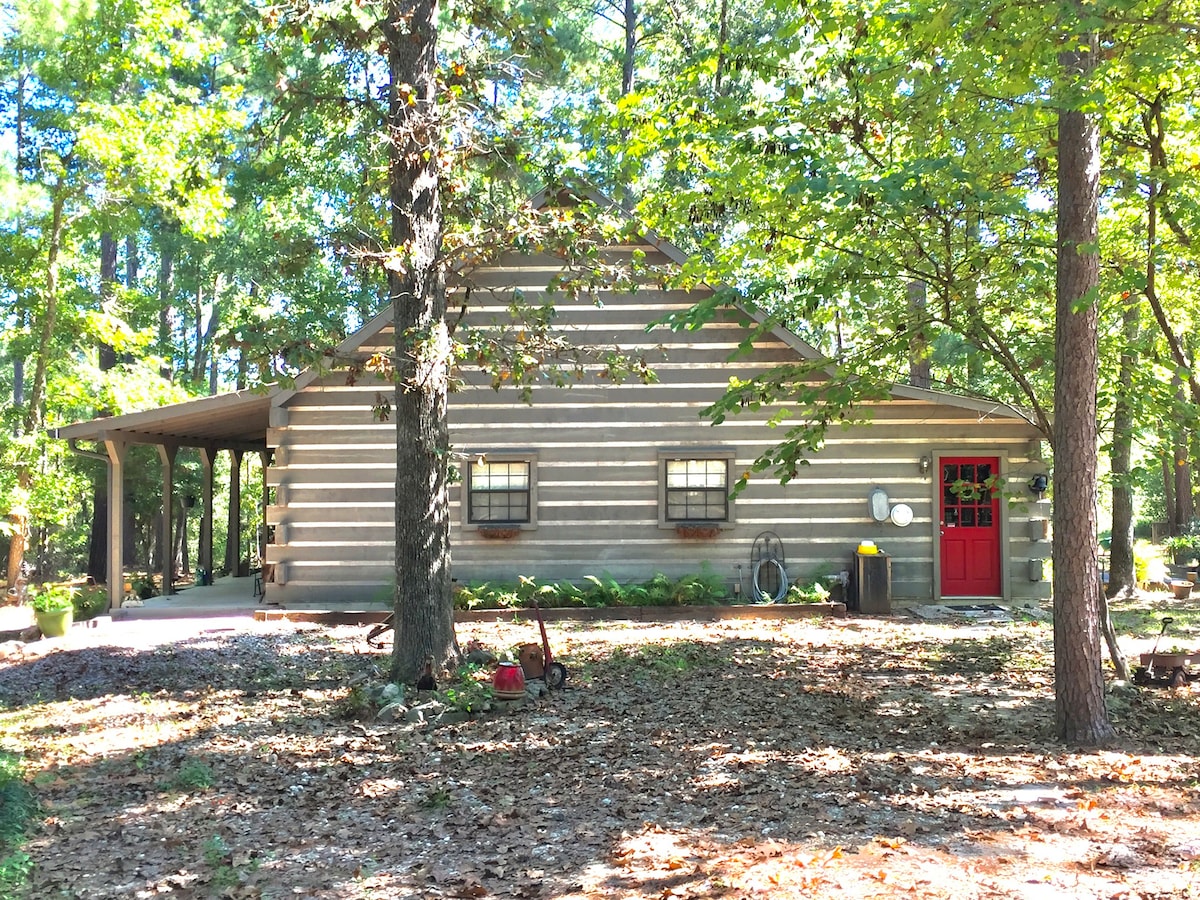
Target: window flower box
column 698, row 531
column 499, row 532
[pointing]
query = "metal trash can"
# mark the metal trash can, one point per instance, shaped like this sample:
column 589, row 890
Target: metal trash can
column 873, row 584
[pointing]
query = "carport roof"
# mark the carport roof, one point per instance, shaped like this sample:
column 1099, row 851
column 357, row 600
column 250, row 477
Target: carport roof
column 235, row 421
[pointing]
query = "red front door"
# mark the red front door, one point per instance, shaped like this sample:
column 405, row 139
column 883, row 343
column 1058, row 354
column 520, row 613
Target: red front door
column 970, row 520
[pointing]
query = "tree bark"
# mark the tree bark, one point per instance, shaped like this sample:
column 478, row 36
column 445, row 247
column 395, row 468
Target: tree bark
column 1168, row 478
column 918, row 348
column 628, row 62
column 423, row 607
column 722, row 40
column 202, row 365
column 1121, row 575
column 1185, row 511
column 1081, row 717
column 166, row 290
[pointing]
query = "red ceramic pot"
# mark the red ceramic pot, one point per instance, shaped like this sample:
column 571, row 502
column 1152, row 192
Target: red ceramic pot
column 509, row 681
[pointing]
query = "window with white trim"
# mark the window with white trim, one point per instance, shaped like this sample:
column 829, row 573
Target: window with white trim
column 500, row 491
column 695, row 488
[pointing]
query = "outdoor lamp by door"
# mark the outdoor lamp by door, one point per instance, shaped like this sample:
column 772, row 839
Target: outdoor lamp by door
column 878, row 504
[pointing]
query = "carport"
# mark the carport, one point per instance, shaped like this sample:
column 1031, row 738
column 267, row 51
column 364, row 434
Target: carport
column 235, row 422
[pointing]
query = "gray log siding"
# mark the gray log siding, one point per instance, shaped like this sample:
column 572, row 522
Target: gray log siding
column 597, row 468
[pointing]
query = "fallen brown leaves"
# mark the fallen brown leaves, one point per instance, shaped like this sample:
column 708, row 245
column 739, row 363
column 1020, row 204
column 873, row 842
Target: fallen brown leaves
column 739, row 760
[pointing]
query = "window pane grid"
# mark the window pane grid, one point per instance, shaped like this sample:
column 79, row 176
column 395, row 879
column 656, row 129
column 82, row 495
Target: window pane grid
column 697, row 490
column 499, row 492
column 968, row 498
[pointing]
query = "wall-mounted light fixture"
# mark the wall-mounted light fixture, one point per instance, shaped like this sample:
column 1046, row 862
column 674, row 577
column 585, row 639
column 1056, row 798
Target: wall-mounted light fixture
column 877, row 502
column 1038, row 484
column 926, row 462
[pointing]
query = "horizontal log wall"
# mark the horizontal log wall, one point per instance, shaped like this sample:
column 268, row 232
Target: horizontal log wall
column 597, row 446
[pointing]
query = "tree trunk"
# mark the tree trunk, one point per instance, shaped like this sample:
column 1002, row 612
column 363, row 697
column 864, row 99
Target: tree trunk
column 1122, row 578
column 1185, row 511
column 1115, row 653
column 131, row 262
column 722, row 40
column 198, row 359
column 18, row 391
column 628, row 62
column 423, row 607
column 166, row 290
column 1168, row 477
column 1081, row 717
column 181, row 564
column 206, row 336
column 918, row 348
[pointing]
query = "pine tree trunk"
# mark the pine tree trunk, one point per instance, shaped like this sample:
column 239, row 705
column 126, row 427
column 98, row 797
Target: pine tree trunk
column 1081, row 717
column 424, row 614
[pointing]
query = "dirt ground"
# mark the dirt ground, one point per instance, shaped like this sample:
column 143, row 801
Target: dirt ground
column 824, row 758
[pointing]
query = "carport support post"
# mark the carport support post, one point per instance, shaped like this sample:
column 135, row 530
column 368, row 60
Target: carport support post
column 264, row 457
column 116, row 521
column 208, row 457
column 167, row 452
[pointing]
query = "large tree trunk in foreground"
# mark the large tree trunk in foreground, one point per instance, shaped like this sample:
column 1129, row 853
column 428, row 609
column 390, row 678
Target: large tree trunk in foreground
column 423, row 607
column 1081, row 717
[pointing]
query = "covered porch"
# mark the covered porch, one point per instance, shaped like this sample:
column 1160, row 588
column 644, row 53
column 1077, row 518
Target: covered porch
column 235, row 423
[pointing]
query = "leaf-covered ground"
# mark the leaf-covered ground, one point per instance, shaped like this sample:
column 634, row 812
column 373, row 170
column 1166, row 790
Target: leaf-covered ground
column 829, row 758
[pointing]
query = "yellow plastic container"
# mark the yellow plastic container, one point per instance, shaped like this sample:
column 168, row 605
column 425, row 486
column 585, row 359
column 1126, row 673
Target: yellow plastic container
column 867, row 547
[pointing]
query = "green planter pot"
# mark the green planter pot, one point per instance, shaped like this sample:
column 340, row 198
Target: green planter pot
column 55, row 623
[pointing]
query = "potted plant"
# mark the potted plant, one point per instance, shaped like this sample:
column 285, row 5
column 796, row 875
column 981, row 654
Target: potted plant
column 144, row 587
column 54, row 609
